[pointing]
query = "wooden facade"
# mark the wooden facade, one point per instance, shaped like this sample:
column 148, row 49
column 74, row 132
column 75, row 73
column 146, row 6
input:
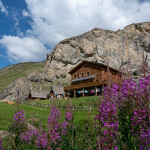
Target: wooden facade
column 90, row 75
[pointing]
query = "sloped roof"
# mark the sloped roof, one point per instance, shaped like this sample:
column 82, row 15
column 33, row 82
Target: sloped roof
column 58, row 89
column 85, row 78
column 39, row 94
column 89, row 62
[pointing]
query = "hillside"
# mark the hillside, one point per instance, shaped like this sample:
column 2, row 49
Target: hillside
column 13, row 72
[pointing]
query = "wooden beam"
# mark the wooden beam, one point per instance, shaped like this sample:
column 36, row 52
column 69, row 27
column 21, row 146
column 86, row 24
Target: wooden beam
column 87, row 84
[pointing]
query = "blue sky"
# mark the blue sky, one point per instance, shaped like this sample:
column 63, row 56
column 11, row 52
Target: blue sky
column 29, row 29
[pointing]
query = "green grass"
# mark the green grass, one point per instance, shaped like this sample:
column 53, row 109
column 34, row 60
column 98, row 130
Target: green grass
column 81, row 101
column 13, row 72
column 6, row 115
column 7, row 111
column 80, row 117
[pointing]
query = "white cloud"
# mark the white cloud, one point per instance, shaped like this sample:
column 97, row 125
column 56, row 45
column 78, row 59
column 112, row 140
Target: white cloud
column 25, row 13
column 55, row 20
column 2, row 8
column 16, row 20
column 59, row 19
column 23, row 49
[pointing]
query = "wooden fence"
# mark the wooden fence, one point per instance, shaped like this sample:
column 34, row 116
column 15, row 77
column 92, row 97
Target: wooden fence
column 48, row 106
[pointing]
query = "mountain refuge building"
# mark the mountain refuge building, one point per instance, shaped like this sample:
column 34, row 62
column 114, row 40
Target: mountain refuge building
column 89, row 78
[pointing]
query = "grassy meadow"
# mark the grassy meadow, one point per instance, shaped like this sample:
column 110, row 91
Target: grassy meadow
column 13, row 72
column 120, row 122
column 7, row 111
column 80, row 101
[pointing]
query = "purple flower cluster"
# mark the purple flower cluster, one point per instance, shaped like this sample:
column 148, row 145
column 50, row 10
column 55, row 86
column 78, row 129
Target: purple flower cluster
column 42, row 141
column 109, row 123
column 128, row 87
column 138, row 92
column 68, row 116
column 141, row 128
column 134, row 97
column 64, row 127
column 1, row 147
column 18, row 125
column 29, row 136
column 67, row 123
column 54, row 126
column 144, row 85
column 18, row 118
column 35, row 137
column 140, row 120
column 54, row 116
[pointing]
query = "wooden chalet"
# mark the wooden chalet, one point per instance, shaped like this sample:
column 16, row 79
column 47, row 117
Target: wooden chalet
column 57, row 91
column 89, row 78
column 38, row 95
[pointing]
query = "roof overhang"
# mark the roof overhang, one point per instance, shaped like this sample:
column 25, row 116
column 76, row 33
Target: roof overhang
column 85, row 78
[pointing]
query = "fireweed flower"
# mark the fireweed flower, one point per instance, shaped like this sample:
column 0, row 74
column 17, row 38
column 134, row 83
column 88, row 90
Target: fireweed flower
column 18, row 118
column 64, row 127
column 141, row 128
column 29, row 136
column 136, row 96
column 140, row 121
column 67, row 123
column 18, row 125
column 109, row 121
column 108, row 118
column 68, row 115
column 54, row 125
column 42, row 141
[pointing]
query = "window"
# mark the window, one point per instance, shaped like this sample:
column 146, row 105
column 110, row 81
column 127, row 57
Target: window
column 88, row 73
column 82, row 74
column 74, row 76
column 78, row 75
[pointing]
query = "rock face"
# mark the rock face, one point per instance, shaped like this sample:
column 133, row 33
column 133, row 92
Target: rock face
column 102, row 46
column 21, row 87
column 18, row 89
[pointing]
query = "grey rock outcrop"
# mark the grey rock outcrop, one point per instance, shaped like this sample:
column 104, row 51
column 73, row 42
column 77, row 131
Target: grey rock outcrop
column 100, row 45
column 18, row 89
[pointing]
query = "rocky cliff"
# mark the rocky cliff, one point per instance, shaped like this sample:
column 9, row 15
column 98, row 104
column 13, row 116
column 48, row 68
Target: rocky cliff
column 98, row 45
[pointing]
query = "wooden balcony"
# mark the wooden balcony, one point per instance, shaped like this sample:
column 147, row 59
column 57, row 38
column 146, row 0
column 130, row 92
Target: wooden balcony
column 91, row 83
column 84, row 85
